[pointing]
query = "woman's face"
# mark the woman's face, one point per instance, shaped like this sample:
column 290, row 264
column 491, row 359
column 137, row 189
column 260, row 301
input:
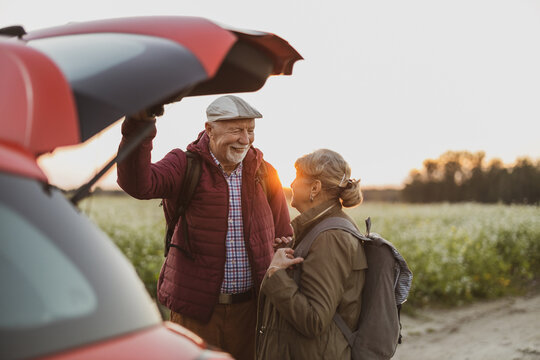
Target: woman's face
column 301, row 190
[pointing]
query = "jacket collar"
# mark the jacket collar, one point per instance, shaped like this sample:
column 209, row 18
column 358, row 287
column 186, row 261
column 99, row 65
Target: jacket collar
column 201, row 146
column 305, row 221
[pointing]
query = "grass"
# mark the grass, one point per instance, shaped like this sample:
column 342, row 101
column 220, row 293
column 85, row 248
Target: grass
column 458, row 253
column 137, row 227
column 461, row 252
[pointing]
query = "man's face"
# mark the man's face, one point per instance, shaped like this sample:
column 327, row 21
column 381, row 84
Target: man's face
column 230, row 140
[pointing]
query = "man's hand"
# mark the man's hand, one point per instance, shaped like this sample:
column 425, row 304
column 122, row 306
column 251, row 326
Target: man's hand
column 148, row 114
column 283, row 258
column 281, row 242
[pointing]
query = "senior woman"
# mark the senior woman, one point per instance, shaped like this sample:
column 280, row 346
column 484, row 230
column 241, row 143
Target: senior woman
column 295, row 321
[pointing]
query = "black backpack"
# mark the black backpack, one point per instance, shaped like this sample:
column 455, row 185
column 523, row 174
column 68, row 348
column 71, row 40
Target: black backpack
column 387, row 284
column 192, row 176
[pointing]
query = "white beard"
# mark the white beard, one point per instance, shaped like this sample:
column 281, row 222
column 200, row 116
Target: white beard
column 235, row 157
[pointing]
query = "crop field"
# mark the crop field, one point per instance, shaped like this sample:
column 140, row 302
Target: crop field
column 457, row 252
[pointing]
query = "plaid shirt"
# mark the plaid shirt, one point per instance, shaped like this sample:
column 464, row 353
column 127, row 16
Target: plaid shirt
column 237, row 269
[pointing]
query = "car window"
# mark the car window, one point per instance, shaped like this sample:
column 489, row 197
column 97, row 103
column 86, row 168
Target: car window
column 105, row 71
column 45, row 286
column 63, row 282
column 85, row 55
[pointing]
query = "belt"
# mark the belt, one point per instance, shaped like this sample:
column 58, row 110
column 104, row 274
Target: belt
column 235, row 298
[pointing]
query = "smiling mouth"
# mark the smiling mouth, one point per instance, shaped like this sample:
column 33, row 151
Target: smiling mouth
column 239, row 149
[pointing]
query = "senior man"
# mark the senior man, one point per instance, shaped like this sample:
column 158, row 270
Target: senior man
column 237, row 210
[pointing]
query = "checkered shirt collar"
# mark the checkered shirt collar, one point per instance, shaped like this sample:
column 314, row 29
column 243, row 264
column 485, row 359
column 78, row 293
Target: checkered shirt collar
column 237, row 170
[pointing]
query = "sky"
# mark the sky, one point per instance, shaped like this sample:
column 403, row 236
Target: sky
column 386, row 83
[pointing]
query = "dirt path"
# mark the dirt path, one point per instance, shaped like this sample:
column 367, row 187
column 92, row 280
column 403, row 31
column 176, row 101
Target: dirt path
column 506, row 329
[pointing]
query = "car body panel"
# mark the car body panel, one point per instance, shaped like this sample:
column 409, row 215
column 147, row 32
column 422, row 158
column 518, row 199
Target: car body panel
column 168, row 342
column 206, row 40
column 16, row 160
column 36, row 103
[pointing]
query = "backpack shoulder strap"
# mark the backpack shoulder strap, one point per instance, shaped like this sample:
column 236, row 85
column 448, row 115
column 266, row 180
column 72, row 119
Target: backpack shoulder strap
column 329, row 223
column 192, row 176
column 191, row 179
column 345, row 330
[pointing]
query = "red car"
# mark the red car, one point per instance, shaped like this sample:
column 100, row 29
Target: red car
column 66, row 291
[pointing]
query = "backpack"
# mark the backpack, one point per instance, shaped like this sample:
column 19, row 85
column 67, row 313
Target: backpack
column 387, row 284
column 192, row 176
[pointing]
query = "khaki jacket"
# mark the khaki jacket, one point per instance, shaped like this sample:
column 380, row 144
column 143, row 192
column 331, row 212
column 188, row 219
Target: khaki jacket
column 296, row 322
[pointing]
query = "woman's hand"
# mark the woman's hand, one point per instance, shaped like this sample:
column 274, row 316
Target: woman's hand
column 283, row 258
column 281, row 242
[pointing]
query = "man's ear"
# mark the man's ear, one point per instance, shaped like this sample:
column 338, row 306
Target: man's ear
column 208, row 127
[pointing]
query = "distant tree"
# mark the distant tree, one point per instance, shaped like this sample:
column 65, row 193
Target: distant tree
column 462, row 176
column 497, row 179
column 526, row 178
column 411, row 191
column 474, row 188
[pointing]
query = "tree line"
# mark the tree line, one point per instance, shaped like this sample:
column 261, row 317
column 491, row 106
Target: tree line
column 458, row 176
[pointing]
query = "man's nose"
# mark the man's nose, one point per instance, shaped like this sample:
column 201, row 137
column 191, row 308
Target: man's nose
column 244, row 137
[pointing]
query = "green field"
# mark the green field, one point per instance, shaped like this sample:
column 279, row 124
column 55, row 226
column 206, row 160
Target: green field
column 458, row 253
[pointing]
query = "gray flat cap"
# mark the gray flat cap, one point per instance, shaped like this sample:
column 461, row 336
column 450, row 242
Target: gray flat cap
column 230, row 107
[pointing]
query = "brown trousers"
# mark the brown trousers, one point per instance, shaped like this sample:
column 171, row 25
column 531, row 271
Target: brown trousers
column 231, row 328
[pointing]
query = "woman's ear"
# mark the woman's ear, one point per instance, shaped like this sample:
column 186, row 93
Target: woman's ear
column 316, row 187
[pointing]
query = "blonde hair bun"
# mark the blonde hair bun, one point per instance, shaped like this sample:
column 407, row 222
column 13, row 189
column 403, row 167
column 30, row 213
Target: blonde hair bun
column 334, row 173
